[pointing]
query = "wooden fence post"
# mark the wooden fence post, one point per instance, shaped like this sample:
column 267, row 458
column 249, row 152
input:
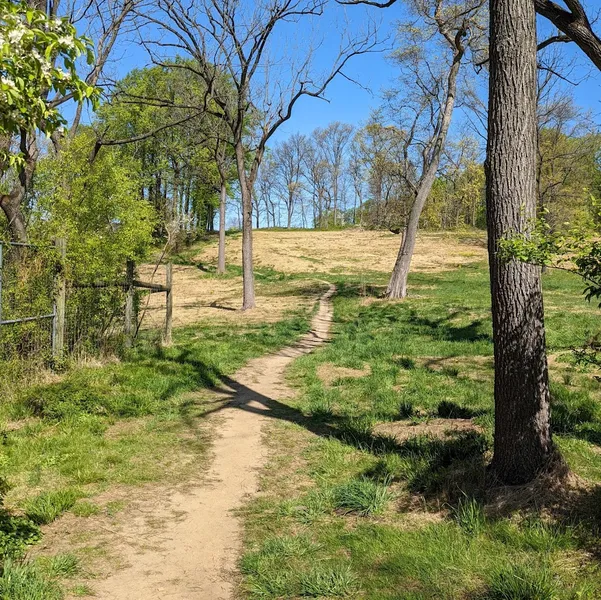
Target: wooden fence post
column 129, row 304
column 60, row 303
column 1, row 277
column 167, row 337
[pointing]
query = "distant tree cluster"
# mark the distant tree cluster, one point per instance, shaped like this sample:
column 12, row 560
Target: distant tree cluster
column 341, row 176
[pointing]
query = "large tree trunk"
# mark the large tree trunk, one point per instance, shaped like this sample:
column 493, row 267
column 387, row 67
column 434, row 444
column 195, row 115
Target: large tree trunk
column 221, row 257
column 397, row 287
column 11, row 206
column 523, row 445
column 248, row 276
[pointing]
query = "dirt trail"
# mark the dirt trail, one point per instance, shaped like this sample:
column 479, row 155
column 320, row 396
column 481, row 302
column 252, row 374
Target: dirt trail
column 192, row 553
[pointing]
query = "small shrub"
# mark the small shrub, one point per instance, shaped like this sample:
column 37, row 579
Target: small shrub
column 46, row 507
column 16, row 533
column 518, row 582
column 361, row 496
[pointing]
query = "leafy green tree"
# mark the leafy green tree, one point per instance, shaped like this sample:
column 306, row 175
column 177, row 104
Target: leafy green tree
column 38, row 55
column 96, row 206
column 155, row 119
column 568, row 177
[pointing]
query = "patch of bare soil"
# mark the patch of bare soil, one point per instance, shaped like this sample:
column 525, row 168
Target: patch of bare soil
column 329, row 373
column 402, row 430
column 351, row 251
column 198, row 297
column 184, row 544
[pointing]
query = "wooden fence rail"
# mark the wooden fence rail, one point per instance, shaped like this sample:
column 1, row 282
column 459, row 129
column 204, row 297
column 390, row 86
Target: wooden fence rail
column 130, row 285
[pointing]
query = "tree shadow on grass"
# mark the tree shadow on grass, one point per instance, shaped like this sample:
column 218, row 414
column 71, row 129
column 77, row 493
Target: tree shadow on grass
column 359, row 290
column 308, row 289
column 431, row 465
column 443, row 329
column 442, row 471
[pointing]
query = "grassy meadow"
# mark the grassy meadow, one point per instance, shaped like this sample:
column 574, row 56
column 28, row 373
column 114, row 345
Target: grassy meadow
column 377, row 488
column 376, row 484
column 78, row 447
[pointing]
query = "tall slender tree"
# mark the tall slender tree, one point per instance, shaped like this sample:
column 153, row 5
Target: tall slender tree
column 452, row 22
column 233, row 43
column 289, row 158
column 332, row 142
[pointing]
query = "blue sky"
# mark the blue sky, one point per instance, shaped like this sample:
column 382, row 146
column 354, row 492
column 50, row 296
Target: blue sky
column 350, row 103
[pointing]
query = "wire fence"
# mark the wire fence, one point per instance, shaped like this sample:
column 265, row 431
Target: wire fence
column 46, row 317
column 26, row 301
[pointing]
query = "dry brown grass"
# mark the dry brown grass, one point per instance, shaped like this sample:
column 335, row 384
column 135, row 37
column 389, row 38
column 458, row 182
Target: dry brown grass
column 329, row 373
column 352, row 251
column 199, row 296
column 402, row 430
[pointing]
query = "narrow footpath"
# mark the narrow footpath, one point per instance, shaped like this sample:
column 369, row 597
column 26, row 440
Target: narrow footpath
column 194, row 554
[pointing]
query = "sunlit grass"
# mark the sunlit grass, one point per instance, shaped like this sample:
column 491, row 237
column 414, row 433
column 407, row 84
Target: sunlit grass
column 128, row 422
column 408, row 517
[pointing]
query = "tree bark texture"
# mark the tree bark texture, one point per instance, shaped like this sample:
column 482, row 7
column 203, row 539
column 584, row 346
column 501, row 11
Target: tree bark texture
column 221, row 256
column 523, row 445
column 575, row 24
column 11, row 206
column 246, row 185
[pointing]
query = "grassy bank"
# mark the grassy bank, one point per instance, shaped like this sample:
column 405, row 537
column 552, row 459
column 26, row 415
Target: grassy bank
column 68, row 442
column 376, row 487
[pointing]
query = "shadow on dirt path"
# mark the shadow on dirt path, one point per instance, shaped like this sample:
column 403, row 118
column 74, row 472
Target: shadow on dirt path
column 192, row 555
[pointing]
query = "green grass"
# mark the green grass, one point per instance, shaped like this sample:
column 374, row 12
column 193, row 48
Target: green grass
column 361, row 496
column 127, row 423
column 276, row 571
column 519, row 582
column 116, row 424
column 27, row 582
column 408, row 517
column 60, row 566
column 48, row 506
column 85, row 509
